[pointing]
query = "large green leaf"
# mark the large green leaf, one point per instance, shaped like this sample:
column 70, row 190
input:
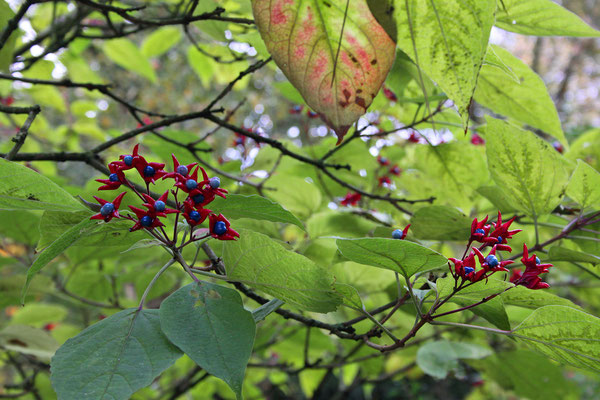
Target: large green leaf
column 260, row 262
column 115, row 234
column 568, row 335
column 529, row 298
column 448, row 40
column 404, row 257
column 20, row 225
column 335, row 53
column 113, row 358
column 492, row 310
column 23, row 188
column 519, row 94
column 564, row 254
column 255, row 207
column 525, row 167
column 530, row 375
column 126, row 54
column 440, row 223
column 440, row 357
column 56, row 248
column 209, row 323
column 160, row 41
column 584, row 186
column 295, row 194
column 540, row 18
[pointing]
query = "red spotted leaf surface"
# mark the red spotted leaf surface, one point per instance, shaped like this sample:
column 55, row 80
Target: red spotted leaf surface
column 303, row 36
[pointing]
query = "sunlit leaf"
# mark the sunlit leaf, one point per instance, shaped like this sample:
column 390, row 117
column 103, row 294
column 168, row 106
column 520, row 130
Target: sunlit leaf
column 540, row 18
column 304, row 38
column 448, row 40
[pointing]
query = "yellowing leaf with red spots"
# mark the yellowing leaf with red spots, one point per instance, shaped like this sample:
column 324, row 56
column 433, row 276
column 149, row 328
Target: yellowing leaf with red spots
column 339, row 81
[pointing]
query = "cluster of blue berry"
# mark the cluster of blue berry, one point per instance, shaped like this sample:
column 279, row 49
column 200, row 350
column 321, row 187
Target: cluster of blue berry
column 198, row 194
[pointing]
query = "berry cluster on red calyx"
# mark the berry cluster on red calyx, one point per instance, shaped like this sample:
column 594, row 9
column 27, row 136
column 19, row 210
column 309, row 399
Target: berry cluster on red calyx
column 533, row 268
column 495, row 235
column 399, row 233
column 198, row 194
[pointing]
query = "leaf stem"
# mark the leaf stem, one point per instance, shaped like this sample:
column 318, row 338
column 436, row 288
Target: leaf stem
column 153, row 281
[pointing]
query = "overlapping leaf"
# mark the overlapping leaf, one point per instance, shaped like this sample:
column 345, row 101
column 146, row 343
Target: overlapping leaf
column 448, row 40
column 540, row 18
column 565, row 334
column 404, row 257
column 526, row 168
column 113, row 358
column 262, row 263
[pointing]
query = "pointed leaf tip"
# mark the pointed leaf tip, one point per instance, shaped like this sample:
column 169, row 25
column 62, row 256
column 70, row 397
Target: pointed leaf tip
column 337, row 57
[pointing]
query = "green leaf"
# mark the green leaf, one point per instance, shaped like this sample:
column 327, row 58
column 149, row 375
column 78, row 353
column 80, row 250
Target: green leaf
column 115, row 234
column 567, row 335
column 584, row 186
column 20, row 225
column 295, row 194
column 440, row 223
column 406, row 258
column 28, row 340
column 492, row 310
column 21, row 188
column 209, row 323
column 448, row 40
column 160, row 41
column 525, row 100
column 39, row 314
column 525, row 167
column 255, row 207
column 440, row 357
column 563, row 254
column 541, row 18
column 530, row 375
column 338, row 77
column 263, row 311
column 6, row 52
column 350, row 296
column 126, row 54
column 262, row 263
column 529, row 298
column 113, row 358
column 55, row 249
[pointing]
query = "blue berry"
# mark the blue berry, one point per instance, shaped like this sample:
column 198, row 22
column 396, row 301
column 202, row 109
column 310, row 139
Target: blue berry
column 480, row 231
column 195, row 215
column 128, row 160
column 492, row 261
column 199, row 198
column 469, row 270
column 182, row 170
column 146, row 220
column 107, row 209
column 160, row 206
column 191, row 184
column 113, row 178
column 397, row 234
column 500, row 239
column 538, row 261
column 220, row 228
column 215, row 182
column 149, row 171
